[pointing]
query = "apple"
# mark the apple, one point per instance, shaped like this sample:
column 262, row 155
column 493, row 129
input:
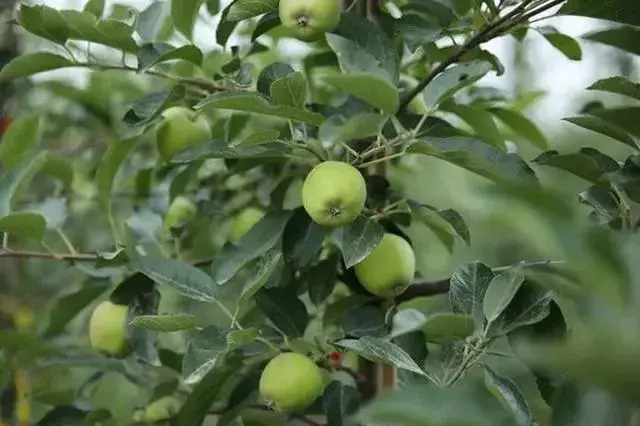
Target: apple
column 179, row 212
column 389, row 270
column 334, row 193
column 291, row 382
column 308, row 20
column 180, row 129
column 108, row 330
column 417, row 104
column 244, row 221
column 161, row 409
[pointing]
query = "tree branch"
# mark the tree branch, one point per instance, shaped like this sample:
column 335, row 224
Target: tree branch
column 70, row 257
column 490, row 31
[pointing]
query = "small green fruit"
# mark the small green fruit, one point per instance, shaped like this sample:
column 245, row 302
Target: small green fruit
column 309, row 19
column 334, row 193
column 180, row 129
column 108, row 330
column 180, row 212
column 417, row 104
column 389, row 270
column 244, row 221
column 291, row 382
column 159, row 410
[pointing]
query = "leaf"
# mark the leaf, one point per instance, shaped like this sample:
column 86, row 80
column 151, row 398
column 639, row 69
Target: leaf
column 110, row 163
column 380, row 350
column 261, row 270
column 339, row 402
column 365, row 321
column 479, row 119
column 33, row 63
column 619, row 84
column 154, row 53
column 302, row 239
column 509, row 395
column 284, row 309
column 246, row 9
column 445, row 224
column 144, row 341
column 621, row 11
column 521, row 125
column 334, row 313
column 43, row 21
column 452, row 80
column 407, row 321
column 576, row 406
column 469, row 284
column 95, row 7
column 588, row 163
column 477, row 157
column 321, row 279
column 203, row 352
column 154, row 20
column 24, row 225
column 165, row 323
column 358, row 239
column 256, row 242
column 19, row 139
column 184, row 13
column 67, row 307
column 239, row 338
column 501, row 291
column 621, row 38
column 290, row 90
column 338, row 128
column 270, row 74
column 444, row 326
column 181, row 277
column 109, row 32
column 150, row 106
column 623, row 118
column 14, row 181
column 600, row 126
column 568, row 46
column 529, row 306
column 259, row 104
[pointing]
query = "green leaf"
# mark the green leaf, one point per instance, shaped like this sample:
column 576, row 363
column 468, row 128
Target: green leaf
column 20, row 138
column 184, row 13
column 619, row 84
column 154, row 53
column 259, row 273
column 33, row 63
column 290, row 90
column 154, row 20
column 565, row 44
column 110, row 32
column 445, row 223
column 44, row 21
column 151, row 105
column 371, row 89
column 68, row 306
column 203, row 352
column 259, row 104
column 256, row 242
column 621, row 11
column 601, row 126
column 479, row 119
column 530, row 305
column 339, row 402
column 477, row 157
column 338, row 128
column 621, row 38
column 302, row 239
column 53, row 210
column 240, row 10
column 14, row 181
column 239, row 338
column 95, row 7
column 379, row 350
column 24, row 225
column 575, row 406
column 623, row 118
column 469, row 284
column 110, row 163
column 501, row 291
column 334, row 313
column 365, row 321
column 358, row 239
column 165, row 323
column 588, row 163
column 221, row 149
column 321, row 279
column 407, row 321
column 453, row 80
column 509, row 395
column 178, row 275
column 522, row 126
column 444, row 326
column 284, row 309
column 270, row 74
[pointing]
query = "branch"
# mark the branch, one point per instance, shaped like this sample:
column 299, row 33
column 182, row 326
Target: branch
column 70, row 257
column 485, row 34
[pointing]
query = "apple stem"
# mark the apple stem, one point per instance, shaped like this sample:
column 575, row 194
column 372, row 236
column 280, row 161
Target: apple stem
column 303, row 21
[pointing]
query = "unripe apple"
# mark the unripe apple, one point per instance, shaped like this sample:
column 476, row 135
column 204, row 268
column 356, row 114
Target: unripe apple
column 180, row 129
column 179, row 212
column 244, row 221
column 417, row 104
column 160, row 409
column 334, row 193
column 108, row 330
column 389, row 270
column 291, row 382
column 309, row 19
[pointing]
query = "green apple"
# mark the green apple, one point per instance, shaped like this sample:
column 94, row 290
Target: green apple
column 389, row 270
column 108, row 330
column 334, row 193
column 180, row 129
column 179, row 212
column 309, row 19
column 244, row 221
column 291, row 382
column 161, row 409
column 417, row 104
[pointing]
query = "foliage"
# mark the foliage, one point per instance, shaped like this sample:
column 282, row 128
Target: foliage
column 84, row 198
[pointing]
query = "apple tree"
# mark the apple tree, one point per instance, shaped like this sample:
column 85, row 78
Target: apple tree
column 227, row 221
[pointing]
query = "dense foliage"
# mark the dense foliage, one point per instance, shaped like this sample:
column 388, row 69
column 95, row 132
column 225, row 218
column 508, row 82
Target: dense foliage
column 193, row 216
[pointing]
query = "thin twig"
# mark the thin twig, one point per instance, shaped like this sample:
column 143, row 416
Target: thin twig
column 71, row 257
